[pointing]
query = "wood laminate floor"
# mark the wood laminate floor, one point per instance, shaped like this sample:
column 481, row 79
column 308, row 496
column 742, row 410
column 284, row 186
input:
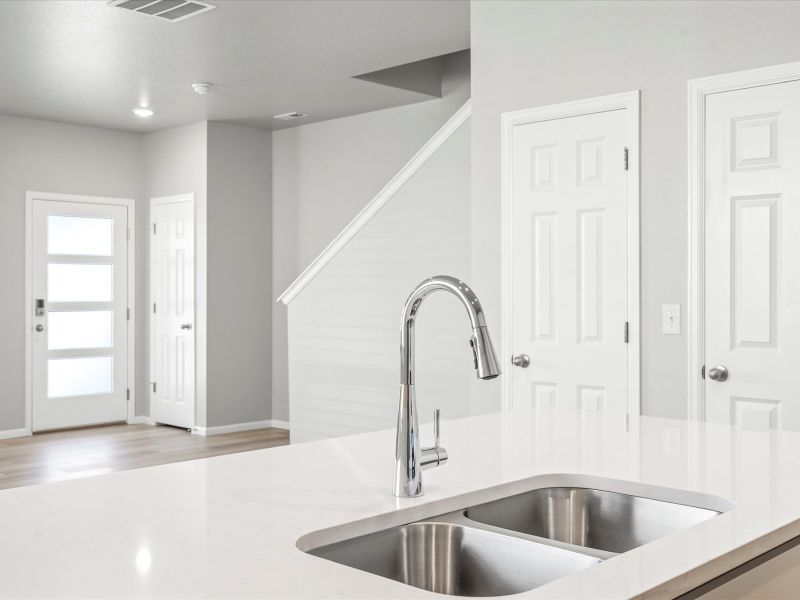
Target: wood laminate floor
column 59, row 455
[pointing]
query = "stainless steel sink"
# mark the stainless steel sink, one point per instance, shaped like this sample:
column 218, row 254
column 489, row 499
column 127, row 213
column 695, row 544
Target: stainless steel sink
column 449, row 558
column 591, row 518
column 518, row 542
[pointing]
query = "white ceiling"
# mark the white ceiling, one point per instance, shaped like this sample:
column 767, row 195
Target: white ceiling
column 90, row 63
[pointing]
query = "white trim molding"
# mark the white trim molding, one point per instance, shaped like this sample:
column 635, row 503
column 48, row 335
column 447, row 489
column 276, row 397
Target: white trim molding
column 7, row 434
column 698, row 90
column 381, row 198
column 236, row 427
column 142, row 420
column 628, row 101
column 130, row 205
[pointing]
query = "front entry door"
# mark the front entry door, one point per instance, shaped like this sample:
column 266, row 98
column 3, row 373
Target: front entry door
column 752, row 245
column 570, row 198
column 79, row 339
column 173, row 330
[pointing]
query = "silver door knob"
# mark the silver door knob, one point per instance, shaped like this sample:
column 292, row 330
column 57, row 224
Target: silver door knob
column 186, row 326
column 718, row 373
column 39, row 328
column 522, row 361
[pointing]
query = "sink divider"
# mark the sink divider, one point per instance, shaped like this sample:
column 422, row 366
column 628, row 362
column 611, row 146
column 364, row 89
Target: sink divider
column 458, row 518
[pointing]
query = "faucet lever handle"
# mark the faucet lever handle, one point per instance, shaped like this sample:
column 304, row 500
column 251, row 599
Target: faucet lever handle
column 436, row 427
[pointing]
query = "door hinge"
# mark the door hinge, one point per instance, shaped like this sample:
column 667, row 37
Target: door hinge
column 128, row 394
column 128, row 313
column 154, row 387
column 154, row 228
column 154, row 308
column 625, row 159
column 627, row 332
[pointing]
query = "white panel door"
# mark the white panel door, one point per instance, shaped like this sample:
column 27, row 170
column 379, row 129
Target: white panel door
column 752, row 247
column 569, row 279
column 79, row 339
column 172, row 290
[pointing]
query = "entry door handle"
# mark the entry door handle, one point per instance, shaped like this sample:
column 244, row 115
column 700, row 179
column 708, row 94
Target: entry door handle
column 186, row 326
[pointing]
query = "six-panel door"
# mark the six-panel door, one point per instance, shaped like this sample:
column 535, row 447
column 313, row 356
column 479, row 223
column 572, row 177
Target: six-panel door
column 570, row 288
column 752, row 257
column 172, row 282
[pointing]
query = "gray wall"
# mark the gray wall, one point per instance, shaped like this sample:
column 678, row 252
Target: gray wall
column 324, row 173
column 239, row 274
column 344, row 326
column 175, row 163
column 225, row 162
column 527, row 54
column 69, row 159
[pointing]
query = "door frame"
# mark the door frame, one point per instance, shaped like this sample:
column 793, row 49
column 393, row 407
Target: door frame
column 628, row 101
column 199, row 304
column 698, row 90
column 130, row 205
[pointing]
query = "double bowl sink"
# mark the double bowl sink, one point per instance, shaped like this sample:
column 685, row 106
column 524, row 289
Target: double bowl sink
column 516, row 543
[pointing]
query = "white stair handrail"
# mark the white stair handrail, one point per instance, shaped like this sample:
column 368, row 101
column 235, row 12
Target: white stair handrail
column 381, row 198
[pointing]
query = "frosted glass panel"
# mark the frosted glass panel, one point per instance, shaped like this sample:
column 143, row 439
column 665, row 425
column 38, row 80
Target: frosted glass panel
column 80, row 283
column 93, row 329
column 80, row 376
column 88, row 236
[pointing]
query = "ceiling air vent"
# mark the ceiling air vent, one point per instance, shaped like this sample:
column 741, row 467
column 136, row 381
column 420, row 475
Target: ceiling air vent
column 290, row 116
column 169, row 10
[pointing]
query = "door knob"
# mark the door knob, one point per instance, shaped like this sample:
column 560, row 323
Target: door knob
column 521, row 360
column 39, row 328
column 718, row 373
column 186, row 326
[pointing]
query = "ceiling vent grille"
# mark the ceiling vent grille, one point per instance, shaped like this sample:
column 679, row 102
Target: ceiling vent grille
column 290, row 116
column 169, row 10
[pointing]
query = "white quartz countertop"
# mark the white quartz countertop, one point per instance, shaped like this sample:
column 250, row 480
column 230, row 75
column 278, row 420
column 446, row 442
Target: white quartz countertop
column 227, row 527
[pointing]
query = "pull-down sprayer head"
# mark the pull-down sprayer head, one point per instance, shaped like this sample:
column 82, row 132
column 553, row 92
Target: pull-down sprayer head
column 485, row 360
column 486, row 365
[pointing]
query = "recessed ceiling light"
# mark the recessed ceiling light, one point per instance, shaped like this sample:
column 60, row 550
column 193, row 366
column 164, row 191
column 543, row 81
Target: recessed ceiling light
column 142, row 111
column 289, row 116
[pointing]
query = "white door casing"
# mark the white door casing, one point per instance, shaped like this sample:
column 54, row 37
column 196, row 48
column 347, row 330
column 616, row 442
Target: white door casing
column 79, row 311
column 571, row 255
column 172, row 259
column 752, row 243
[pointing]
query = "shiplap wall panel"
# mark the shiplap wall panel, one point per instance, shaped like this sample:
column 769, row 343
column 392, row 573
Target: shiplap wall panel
column 344, row 327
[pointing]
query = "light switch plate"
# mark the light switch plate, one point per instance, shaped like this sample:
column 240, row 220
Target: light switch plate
column 671, row 319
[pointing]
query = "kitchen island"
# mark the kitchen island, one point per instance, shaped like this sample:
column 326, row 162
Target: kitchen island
column 229, row 527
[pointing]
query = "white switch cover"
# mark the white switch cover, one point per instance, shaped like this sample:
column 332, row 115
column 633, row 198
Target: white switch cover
column 671, row 319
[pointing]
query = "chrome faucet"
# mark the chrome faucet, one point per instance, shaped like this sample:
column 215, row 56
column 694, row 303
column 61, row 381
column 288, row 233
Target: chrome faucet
column 410, row 458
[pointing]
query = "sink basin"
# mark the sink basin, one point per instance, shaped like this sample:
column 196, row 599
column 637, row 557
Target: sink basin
column 454, row 559
column 608, row 521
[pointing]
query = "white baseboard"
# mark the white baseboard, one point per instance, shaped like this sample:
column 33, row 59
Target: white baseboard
column 234, row 427
column 7, row 434
column 142, row 420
